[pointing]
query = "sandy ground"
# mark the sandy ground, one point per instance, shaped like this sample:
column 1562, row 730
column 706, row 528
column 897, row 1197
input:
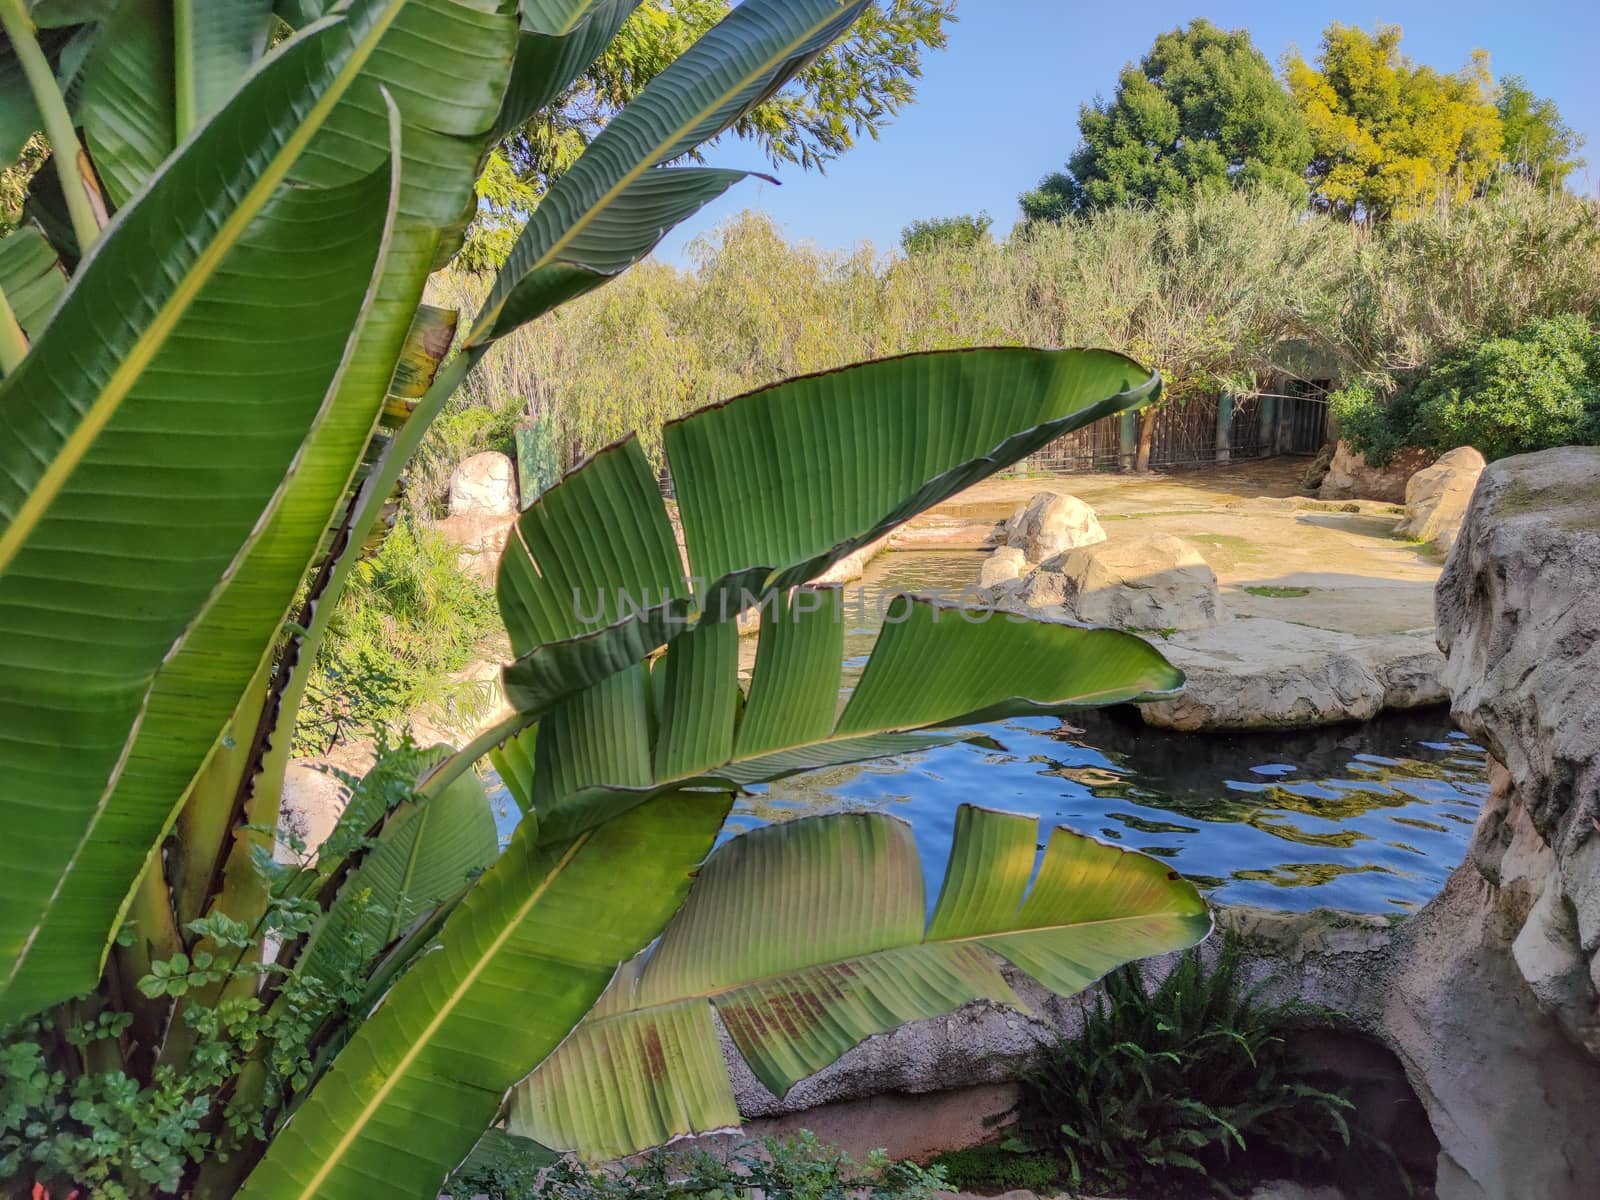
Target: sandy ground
column 1251, row 525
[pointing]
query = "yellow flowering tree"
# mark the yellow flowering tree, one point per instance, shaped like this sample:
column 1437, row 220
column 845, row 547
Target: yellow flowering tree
column 1391, row 137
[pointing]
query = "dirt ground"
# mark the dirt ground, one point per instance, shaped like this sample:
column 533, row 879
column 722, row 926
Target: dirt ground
column 1251, row 525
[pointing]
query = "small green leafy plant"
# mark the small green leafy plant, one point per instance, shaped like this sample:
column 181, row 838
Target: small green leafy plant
column 793, row 1168
column 1006, row 1165
column 1194, row 1083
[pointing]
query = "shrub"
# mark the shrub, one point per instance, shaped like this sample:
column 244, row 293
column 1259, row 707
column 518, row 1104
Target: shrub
column 1537, row 388
column 1174, row 1087
column 409, row 620
column 795, row 1168
column 1004, row 1166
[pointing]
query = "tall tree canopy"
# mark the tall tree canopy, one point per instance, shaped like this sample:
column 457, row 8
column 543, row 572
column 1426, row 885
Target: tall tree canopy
column 946, row 233
column 853, row 89
column 1535, row 141
column 1390, row 136
column 1201, row 110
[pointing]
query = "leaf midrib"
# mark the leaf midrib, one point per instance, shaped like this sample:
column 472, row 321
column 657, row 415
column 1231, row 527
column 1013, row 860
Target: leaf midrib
column 710, row 995
column 442, row 1013
column 154, row 336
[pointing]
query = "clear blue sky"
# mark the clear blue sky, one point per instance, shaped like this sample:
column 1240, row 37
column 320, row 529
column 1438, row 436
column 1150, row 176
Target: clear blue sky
column 998, row 108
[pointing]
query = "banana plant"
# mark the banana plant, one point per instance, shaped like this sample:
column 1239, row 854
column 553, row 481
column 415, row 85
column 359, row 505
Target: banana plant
column 216, row 363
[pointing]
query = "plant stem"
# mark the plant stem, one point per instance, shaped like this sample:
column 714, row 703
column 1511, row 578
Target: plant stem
column 183, row 97
column 72, row 165
column 13, row 342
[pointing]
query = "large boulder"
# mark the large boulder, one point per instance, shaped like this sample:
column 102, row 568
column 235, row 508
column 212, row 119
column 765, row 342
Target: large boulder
column 484, row 485
column 1156, row 582
column 1259, row 673
column 1351, row 477
column 1437, row 498
column 1050, row 524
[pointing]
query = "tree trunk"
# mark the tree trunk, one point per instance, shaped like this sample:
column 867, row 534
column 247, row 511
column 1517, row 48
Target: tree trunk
column 1147, row 436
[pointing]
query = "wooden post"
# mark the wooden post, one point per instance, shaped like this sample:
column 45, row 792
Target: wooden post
column 1224, row 427
column 1269, row 425
column 1127, row 441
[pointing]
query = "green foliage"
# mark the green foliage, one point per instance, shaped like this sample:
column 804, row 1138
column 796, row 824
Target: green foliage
column 409, row 621
column 1391, row 137
column 794, row 1168
column 1277, row 593
column 1535, row 141
column 1202, row 110
column 1537, row 388
column 1006, row 1165
column 853, row 89
column 1173, row 1087
column 946, row 233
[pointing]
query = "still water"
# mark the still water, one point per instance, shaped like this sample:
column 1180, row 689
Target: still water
column 1367, row 818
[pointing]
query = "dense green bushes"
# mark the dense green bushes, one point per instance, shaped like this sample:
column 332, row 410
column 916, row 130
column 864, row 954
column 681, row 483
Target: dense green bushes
column 1536, row 388
column 409, row 621
column 1215, row 293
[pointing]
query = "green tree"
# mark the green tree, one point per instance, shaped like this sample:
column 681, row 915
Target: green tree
column 1391, row 137
column 853, row 88
column 1535, row 141
column 1201, row 110
column 946, row 233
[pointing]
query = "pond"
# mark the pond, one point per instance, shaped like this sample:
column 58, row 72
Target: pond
column 1366, row 818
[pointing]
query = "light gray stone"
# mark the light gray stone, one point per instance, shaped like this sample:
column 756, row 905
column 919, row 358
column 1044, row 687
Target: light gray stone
column 1437, row 498
column 1050, row 524
column 1155, row 582
column 1002, row 566
column 484, row 485
column 1351, row 477
column 1262, row 673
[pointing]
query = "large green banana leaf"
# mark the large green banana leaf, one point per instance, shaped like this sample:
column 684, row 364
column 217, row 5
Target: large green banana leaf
column 130, row 484
column 933, row 666
column 427, row 852
column 519, row 963
column 808, row 937
column 774, row 487
column 201, row 684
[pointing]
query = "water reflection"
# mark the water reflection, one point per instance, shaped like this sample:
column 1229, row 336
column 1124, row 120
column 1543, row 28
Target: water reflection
column 1367, row 818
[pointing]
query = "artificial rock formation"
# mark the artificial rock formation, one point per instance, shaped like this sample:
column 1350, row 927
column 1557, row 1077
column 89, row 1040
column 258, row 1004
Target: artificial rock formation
column 1351, row 477
column 1437, row 498
column 1050, row 524
column 484, row 485
column 1156, row 582
column 1004, row 565
column 1258, row 673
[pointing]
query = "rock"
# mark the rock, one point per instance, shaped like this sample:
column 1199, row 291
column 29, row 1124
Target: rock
column 313, row 800
column 481, row 540
column 1317, row 470
column 1002, row 566
column 1519, row 618
column 1491, row 994
column 1050, row 524
column 850, row 567
column 1262, row 673
column 1156, row 582
column 1351, row 477
column 1437, row 497
column 484, row 485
